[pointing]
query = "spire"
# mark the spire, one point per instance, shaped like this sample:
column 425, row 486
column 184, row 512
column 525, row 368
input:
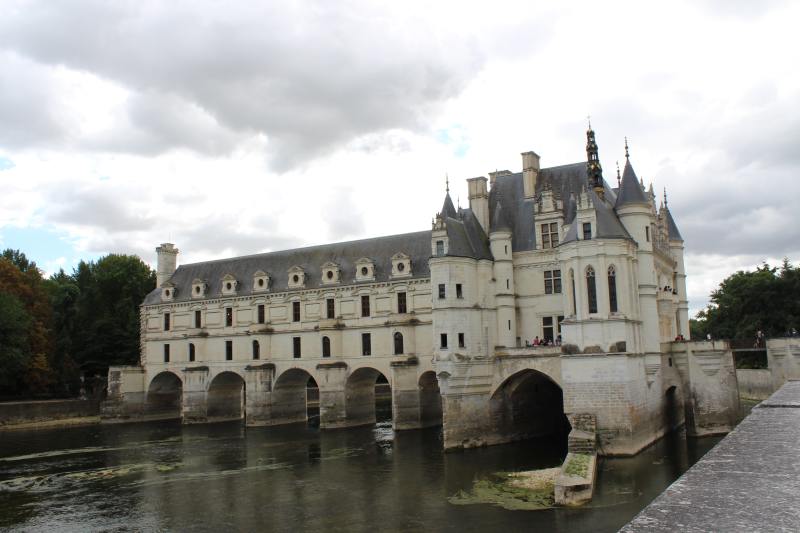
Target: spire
column 665, row 197
column 446, row 183
column 594, row 171
column 627, row 155
column 618, row 178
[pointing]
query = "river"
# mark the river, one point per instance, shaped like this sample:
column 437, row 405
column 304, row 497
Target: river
column 224, row 477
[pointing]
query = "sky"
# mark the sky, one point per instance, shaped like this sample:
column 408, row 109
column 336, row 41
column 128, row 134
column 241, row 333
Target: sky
column 232, row 128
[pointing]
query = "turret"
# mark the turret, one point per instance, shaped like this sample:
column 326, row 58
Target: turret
column 167, row 262
column 503, row 273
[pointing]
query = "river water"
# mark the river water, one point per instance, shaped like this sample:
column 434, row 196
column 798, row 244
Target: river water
column 224, row 477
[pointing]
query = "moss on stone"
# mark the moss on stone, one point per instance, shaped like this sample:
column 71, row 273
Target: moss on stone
column 513, row 491
column 578, row 465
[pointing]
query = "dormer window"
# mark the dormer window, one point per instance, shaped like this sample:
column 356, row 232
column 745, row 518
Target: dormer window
column 401, row 265
column 439, row 248
column 199, row 288
column 260, row 281
column 297, row 277
column 168, row 290
column 365, row 269
column 229, row 284
column 330, row 273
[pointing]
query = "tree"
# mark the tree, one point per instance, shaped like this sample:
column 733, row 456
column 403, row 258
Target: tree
column 15, row 355
column 767, row 299
column 110, row 292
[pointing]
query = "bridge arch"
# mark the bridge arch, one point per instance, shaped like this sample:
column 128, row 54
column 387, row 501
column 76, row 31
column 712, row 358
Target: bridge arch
column 164, row 394
column 368, row 396
column 529, row 404
column 225, row 397
column 290, row 396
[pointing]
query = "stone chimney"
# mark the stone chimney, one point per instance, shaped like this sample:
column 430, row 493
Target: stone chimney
column 167, row 262
column 496, row 174
column 479, row 200
column 530, row 172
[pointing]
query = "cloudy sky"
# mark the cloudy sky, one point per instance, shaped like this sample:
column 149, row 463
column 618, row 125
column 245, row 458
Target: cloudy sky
column 239, row 127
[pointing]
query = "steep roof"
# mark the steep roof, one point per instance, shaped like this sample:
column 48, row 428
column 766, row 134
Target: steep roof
column 608, row 224
column 276, row 264
column 448, row 209
column 499, row 222
column 672, row 228
column 466, row 236
column 630, row 190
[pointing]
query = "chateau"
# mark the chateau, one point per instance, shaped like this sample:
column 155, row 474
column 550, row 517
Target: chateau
column 448, row 318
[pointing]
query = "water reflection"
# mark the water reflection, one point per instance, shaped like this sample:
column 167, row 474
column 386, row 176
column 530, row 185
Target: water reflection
column 223, row 476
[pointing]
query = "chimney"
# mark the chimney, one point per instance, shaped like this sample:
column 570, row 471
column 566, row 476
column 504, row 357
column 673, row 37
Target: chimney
column 496, row 174
column 167, row 262
column 530, row 171
column 479, row 201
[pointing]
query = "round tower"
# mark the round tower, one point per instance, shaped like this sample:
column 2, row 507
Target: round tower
column 167, row 262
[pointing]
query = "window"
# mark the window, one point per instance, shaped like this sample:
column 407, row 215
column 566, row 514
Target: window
column 326, row 347
column 574, row 298
column 229, row 316
column 365, row 305
column 443, row 341
column 509, row 325
column 197, row 319
column 587, row 231
column 331, row 311
column 612, row 289
column 166, row 353
column 508, row 284
column 261, row 314
column 366, row 344
column 459, row 291
column 398, row 343
column 506, row 249
column 296, row 348
column 552, row 282
column 441, row 291
column 166, row 321
column 647, row 233
column 229, row 350
column 295, row 311
column 591, row 290
column 401, row 302
column 560, row 319
column 547, row 328
column 439, row 248
column 256, row 350
column 550, row 235
column 461, row 343
column 191, row 352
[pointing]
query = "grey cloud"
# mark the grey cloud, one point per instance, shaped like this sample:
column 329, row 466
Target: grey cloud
column 102, row 208
column 306, row 76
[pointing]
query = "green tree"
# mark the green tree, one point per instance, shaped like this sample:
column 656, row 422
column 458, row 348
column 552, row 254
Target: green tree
column 766, row 299
column 110, row 292
column 15, row 354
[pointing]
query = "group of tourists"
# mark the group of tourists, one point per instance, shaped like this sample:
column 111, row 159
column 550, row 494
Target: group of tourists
column 545, row 341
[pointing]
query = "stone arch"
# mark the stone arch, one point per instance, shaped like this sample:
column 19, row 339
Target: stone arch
column 164, row 396
column 672, row 410
column 367, row 395
column 529, row 404
column 225, row 398
column 290, row 396
column 430, row 400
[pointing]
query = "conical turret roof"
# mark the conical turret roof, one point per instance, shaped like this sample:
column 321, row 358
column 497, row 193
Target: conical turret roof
column 499, row 221
column 448, row 209
column 630, row 191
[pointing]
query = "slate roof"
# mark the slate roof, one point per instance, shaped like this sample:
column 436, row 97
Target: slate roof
column 672, row 228
column 466, row 236
column 630, row 190
column 276, row 264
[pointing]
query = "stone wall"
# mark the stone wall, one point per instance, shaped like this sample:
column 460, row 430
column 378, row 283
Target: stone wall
column 755, row 384
column 13, row 413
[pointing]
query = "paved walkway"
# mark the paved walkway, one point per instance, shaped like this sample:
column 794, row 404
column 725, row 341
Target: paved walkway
column 750, row 481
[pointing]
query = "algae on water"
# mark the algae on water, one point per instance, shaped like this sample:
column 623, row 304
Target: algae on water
column 527, row 491
column 578, row 465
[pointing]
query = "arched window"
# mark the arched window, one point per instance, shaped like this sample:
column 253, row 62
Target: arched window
column 398, row 343
column 191, row 352
column 256, row 350
column 612, row 289
column 326, row 347
column 591, row 290
column 574, row 298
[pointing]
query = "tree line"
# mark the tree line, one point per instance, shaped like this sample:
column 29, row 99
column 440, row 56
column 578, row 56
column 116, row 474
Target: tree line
column 55, row 330
column 766, row 299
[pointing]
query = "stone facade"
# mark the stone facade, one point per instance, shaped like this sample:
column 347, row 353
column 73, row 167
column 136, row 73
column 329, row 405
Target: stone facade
column 450, row 319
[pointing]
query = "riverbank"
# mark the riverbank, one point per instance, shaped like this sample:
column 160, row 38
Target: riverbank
column 48, row 413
